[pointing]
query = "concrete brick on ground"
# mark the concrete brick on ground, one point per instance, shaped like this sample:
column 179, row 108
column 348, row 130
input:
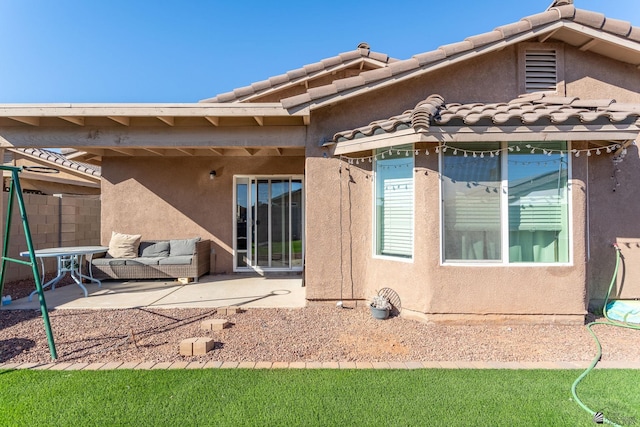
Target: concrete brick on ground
column 145, row 365
column 179, row 365
column 29, row 365
column 60, row 366
column 128, row 365
column 8, row 366
column 347, row 365
column 414, row 365
column 110, row 365
column 432, row 365
column 263, row 365
column 380, row 365
column 195, row 365
column 397, row 365
column 214, row 324
column 162, row 365
column 213, row 364
column 330, row 365
column 228, row 310
column 44, row 366
column 364, row 365
column 196, row 346
column 297, row 365
column 229, row 365
column 280, row 365
column 246, row 365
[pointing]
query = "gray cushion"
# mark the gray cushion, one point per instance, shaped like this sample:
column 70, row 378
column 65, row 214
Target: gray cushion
column 176, row 260
column 183, row 247
column 108, row 261
column 154, row 249
column 143, row 261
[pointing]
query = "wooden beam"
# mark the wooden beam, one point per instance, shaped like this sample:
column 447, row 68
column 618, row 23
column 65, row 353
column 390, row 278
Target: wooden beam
column 218, row 151
column 74, row 119
column 127, row 151
column 588, row 45
column 167, row 119
column 306, row 119
column 213, row 120
column 124, row 121
column 249, row 151
column 159, row 137
column 187, row 151
column 158, row 152
column 547, row 36
column 33, row 121
column 279, row 151
column 260, row 120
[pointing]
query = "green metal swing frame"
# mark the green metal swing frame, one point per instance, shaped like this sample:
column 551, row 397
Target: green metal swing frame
column 16, row 190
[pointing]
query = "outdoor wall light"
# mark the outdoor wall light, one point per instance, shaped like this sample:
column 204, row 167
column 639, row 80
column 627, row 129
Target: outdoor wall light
column 212, row 175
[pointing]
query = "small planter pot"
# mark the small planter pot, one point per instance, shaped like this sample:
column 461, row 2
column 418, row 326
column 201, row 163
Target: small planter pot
column 379, row 313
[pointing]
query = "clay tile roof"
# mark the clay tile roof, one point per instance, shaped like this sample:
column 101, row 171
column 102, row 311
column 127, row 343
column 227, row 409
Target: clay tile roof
column 306, row 72
column 60, row 159
column 559, row 11
column 535, row 109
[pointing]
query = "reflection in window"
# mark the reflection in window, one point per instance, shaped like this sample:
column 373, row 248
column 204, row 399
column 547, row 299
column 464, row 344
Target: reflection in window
column 530, row 179
column 394, row 201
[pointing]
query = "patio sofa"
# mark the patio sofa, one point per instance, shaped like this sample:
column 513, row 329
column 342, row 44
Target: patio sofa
column 154, row 259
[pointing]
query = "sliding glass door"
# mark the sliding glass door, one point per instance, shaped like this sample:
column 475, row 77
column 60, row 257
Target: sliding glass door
column 269, row 215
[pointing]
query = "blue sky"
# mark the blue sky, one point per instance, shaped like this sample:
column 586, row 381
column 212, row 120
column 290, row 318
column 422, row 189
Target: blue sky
column 167, row 51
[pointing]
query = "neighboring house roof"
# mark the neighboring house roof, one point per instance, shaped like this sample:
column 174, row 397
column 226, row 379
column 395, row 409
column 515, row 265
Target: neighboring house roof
column 59, row 159
column 360, row 60
column 586, row 30
column 528, row 115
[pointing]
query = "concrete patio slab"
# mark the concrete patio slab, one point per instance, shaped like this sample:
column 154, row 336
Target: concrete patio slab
column 244, row 291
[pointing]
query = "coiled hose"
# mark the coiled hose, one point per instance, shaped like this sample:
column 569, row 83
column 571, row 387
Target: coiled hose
column 595, row 361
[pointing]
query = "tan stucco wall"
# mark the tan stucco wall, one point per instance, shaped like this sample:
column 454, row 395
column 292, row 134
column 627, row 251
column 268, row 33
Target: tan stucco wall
column 173, row 197
column 614, row 199
column 424, row 285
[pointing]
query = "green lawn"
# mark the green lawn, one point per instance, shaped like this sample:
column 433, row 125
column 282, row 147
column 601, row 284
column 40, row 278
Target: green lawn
column 425, row 397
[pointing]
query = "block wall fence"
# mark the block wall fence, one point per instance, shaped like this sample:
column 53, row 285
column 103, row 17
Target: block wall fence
column 53, row 221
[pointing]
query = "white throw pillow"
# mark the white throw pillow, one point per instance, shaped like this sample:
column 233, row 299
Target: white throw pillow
column 124, row 245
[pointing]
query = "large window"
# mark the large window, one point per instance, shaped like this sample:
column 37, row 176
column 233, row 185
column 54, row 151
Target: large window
column 394, row 201
column 498, row 196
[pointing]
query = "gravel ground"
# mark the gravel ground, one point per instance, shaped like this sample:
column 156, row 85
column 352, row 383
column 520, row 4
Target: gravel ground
column 312, row 334
column 315, row 333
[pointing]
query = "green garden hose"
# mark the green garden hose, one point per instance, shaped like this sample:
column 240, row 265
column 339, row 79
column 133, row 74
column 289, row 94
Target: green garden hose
column 610, row 322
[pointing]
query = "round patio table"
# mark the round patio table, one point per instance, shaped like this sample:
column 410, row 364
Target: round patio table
column 69, row 261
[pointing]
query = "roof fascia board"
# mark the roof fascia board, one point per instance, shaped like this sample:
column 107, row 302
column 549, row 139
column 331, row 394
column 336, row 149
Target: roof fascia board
column 94, row 183
column 406, row 136
column 492, row 134
column 603, row 36
column 493, row 47
column 148, row 110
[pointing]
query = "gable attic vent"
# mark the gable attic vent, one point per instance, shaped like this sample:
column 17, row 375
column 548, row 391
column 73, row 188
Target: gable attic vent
column 541, row 72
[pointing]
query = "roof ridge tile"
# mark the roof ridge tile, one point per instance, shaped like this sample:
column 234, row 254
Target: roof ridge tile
column 543, row 18
column 590, row 18
column 567, row 11
column 514, row 28
column 349, row 82
column 485, row 38
column 617, row 26
column 455, row 48
column 430, row 57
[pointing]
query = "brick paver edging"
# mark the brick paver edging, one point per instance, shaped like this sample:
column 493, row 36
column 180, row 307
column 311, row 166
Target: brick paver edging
column 66, row 366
